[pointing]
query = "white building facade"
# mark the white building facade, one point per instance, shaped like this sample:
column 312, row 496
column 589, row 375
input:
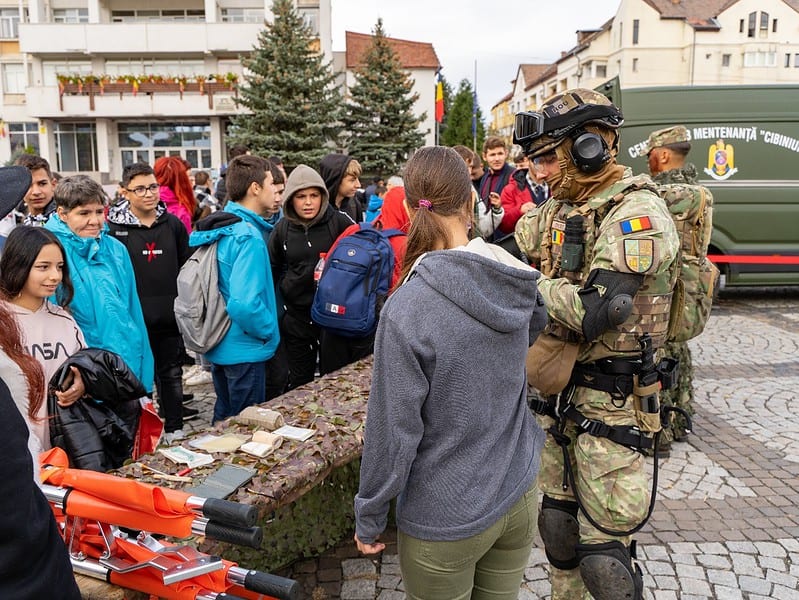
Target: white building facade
column 651, row 43
column 94, row 84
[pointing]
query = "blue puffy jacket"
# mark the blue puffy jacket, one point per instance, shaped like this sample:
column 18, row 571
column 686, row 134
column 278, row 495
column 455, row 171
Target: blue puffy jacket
column 106, row 305
column 245, row 282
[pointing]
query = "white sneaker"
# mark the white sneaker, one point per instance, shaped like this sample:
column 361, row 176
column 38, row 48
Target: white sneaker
column 201, row 378
column 191, row 372
column 174, row 436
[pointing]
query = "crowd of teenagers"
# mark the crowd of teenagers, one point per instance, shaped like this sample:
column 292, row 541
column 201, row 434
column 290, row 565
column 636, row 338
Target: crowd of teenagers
column 460, row 451
column 79, row 270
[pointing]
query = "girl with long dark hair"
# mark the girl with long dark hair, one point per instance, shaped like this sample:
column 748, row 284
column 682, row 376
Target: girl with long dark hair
column 32, row 270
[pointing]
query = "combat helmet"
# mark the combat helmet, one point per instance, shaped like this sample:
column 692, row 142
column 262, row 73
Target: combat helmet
column 562, row 117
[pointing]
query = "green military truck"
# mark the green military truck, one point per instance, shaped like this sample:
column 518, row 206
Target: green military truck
column 745, row 145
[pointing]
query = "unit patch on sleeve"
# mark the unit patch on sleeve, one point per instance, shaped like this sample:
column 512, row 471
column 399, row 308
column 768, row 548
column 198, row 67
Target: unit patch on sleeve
column 635, row 225
column 558, row 229
column 639, row 255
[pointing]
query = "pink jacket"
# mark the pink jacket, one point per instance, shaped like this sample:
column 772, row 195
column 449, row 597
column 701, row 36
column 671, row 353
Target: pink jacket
column 175, row 207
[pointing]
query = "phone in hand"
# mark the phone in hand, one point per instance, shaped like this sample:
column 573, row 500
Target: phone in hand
column 65, row 381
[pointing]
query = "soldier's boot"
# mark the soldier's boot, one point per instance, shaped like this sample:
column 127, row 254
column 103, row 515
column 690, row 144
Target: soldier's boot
column 609, row 573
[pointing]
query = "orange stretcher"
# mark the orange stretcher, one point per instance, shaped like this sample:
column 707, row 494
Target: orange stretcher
column 92, row 508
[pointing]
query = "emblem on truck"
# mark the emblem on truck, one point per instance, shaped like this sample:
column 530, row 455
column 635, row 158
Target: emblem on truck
column 721, row 161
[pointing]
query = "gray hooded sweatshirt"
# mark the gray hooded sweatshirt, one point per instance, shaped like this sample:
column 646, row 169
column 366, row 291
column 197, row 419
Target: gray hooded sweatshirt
column 448, row 430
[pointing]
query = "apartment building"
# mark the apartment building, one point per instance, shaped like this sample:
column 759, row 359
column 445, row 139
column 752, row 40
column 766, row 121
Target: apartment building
column 94, row 84
column 521, row 97
column 651, row 43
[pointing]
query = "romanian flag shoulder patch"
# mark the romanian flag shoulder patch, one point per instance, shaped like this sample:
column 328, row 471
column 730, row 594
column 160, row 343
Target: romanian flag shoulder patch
column 635, row 225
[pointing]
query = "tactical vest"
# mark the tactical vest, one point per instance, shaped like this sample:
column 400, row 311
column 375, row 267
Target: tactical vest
column 652, row 303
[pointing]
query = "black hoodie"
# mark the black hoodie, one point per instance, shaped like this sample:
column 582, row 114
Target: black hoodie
column 157, row 253
column 295, row 244
column 332, row 169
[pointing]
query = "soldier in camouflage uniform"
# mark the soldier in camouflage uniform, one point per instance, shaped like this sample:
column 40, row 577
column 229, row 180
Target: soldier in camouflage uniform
column 606, row 246
column 666, row 150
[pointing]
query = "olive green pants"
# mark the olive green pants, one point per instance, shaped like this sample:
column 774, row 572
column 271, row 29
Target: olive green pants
column 489, row 565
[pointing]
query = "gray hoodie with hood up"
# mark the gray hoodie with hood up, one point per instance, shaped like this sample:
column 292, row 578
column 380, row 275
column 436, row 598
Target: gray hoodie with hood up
column 448, row 430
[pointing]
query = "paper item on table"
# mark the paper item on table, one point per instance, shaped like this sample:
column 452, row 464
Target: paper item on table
column 218, row 443
column 294, row 433
column 261, row 417
column 261, row 449
column 179, row 454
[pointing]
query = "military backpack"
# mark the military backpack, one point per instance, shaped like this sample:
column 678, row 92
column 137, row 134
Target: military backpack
column 691, row 208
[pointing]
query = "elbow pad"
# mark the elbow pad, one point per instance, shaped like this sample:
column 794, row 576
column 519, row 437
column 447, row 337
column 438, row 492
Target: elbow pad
column 608, row 300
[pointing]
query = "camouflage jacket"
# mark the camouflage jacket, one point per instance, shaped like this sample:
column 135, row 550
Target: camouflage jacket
column 628, row 229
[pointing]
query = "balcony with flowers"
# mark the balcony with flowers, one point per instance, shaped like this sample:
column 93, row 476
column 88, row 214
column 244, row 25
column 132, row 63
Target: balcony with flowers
column 95, row 86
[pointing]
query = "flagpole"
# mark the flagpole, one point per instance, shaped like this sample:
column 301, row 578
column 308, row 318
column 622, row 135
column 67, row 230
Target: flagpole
column 474, row 109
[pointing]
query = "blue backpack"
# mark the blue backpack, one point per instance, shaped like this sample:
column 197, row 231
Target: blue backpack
column 355, row 282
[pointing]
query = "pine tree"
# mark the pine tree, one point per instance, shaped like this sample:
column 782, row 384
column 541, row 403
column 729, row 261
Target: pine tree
column 459, row 121
column 379, row 120
column 295, row 107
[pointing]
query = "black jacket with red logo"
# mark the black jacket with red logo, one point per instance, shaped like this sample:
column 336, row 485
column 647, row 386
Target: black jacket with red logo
column 157, row 253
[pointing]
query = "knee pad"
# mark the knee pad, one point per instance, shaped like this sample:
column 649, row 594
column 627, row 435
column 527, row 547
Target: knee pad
column 608, row 571
column 560, row 531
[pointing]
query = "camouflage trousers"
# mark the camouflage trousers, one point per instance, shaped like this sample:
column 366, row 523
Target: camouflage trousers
column 610, row 479
column 682, row 395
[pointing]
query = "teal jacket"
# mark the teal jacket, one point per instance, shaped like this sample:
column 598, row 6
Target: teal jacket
column 106, row 305
column 245, row 282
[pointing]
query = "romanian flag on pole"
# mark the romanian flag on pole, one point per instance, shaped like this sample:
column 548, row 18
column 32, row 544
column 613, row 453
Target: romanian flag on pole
column 439, row 98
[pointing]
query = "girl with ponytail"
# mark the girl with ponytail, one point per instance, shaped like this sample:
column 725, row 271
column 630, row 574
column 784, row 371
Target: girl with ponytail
column 448, row 431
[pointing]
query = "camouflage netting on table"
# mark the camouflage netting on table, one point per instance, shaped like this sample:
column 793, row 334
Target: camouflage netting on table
column 303, row 490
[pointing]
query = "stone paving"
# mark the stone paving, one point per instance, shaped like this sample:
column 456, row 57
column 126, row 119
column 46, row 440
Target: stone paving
column 726, row 523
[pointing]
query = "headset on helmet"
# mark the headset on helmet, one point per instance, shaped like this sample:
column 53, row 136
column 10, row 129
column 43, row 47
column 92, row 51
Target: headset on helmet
column 563, row 117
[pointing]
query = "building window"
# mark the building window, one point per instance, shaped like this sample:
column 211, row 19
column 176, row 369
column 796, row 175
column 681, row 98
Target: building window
column 787, row 60
column 764, row 23
column 243, row 15
column 774, row 26
column 760, row 59
column 635, row 31
column 51, row 70
column 9, row 23
column 311, row 18
column 741, row 26
column 752, row 22
column 24, row 137
column 635, row 65
column 76, row 146
column 175, row 68
column 725, row 60
column 14, row 78
column 70, row 15
column 601, row 70
column 796, row 61
column 621, row 29
column 148, row 142
column 128, row 16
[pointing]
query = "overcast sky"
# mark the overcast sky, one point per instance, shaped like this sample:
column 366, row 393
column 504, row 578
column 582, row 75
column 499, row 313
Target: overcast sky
column 498, row 35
